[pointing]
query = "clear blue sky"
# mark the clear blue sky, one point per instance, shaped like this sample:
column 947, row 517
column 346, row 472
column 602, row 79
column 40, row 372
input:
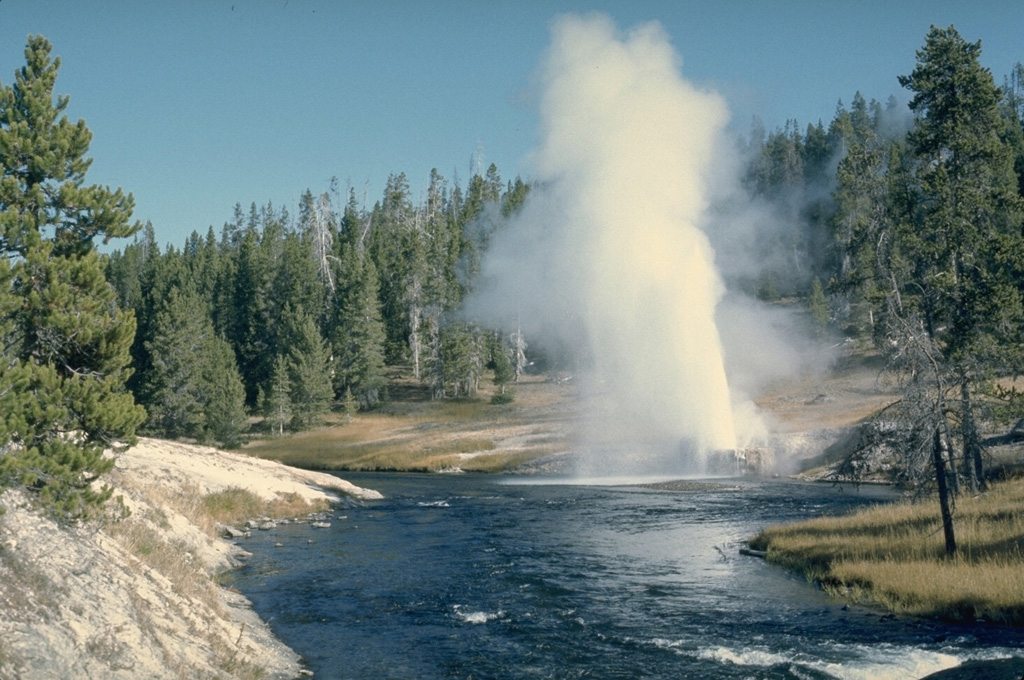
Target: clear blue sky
column 198, row 105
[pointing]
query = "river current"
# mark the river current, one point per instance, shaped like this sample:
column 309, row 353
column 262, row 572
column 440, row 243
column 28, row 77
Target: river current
column 467, row 576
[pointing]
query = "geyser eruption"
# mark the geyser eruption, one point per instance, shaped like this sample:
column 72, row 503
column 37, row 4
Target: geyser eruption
column 608, row 255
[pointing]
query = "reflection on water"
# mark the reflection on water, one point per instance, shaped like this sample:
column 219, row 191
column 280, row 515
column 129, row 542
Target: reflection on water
column 477, row 577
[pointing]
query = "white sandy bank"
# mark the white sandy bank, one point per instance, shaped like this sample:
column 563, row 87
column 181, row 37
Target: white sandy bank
column 136, row 598
column 212, row 470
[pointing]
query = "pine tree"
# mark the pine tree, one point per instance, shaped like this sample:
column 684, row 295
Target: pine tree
column 192, row 387
column 478, row 221
column 251, row 334
column 317, row 223
column 358, row 336
column 65, row 341
column 416, row 295
column 349, row 405
column 174, row 390
column 160, row 273
column 203, row 259
column 277, row 400
column 504, row 372
column 393, row 225
column 861, row 226
column 223, row 394
column 968, row 243
column 463, row 355
column 817, row 305
column 308, row 369
column 295, row 280
column 514, row 198
column 125, row 271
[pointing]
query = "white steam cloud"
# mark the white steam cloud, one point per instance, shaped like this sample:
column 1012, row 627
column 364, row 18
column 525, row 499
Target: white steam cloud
column 607, row 255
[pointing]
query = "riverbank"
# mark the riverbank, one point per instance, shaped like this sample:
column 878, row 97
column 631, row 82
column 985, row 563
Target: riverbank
column 893, row 556
column 136, row 594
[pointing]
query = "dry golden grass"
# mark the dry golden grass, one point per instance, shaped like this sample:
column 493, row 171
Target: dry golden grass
column 421, row 435
column 144, row 537
column 990, row 588
column 853, row 389
column 234, row 506
column 170, row 558
column 894, row 555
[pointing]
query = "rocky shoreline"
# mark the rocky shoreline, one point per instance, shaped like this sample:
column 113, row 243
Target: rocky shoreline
column 138, row 597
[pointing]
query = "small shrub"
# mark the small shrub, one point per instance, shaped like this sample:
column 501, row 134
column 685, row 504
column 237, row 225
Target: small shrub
column 232, row 506
column 506, row 397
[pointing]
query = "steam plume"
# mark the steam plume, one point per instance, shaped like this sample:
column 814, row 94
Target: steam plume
column 607, row 254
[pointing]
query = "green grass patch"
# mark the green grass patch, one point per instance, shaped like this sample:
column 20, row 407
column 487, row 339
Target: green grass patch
column 894, row 555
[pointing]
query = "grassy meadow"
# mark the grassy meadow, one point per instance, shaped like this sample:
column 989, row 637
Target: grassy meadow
column 414, row 433
column 893, row 555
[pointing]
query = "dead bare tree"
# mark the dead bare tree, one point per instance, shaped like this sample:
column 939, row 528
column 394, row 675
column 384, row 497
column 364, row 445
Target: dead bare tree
column 319, row 229
column 925, row 450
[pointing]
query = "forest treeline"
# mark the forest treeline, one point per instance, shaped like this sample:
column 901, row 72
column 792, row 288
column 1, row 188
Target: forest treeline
column 900, row 226
column 282, row 316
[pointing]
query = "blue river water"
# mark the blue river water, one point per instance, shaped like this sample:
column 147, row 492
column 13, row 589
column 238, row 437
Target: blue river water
column 471, row 576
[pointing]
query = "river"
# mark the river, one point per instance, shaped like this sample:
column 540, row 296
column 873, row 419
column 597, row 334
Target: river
column 470, row 576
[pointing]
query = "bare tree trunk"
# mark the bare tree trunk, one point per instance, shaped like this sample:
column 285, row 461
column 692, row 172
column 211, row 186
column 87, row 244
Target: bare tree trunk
column 519, row 350
column 415, row 344
column 947, row 448
column 939, row 461
column 322, row 240
column 973, row 466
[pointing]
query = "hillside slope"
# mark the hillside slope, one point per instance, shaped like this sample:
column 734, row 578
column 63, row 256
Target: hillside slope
column 137, row 597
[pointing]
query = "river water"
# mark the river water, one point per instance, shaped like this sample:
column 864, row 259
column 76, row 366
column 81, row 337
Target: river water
column 467, row 576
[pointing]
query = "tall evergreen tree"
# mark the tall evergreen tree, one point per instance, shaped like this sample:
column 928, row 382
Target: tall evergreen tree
column 223, row 393
column 317, row 223
column 277, row 400
column 252, row 333
column 358, row 337
column 65, row 341
column 174, row 383
column 203, row 258
column 969, row 238
column 514, row 197
column 504, row 371
column 295, row 280
column 1013, row 113
column 478, row 221
column 393, row 224
column 193, row 388
column 817, row 305
column 309, row 375
column 463, row 354
column 126, row 270
column 860, row 223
